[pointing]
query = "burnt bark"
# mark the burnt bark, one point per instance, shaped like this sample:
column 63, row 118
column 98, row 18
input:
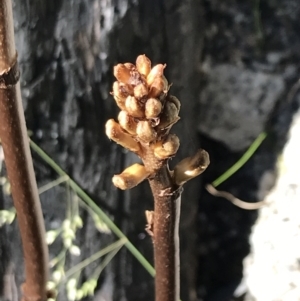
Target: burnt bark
column 66, row 52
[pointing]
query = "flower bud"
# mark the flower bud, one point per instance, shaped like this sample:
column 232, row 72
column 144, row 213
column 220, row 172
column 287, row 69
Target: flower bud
column 127, row 89
column 74, row 250
column 114, row 132
column 169, row 115
column 156, row 71
column 159, row 86
column 130, row 66
column 166, row 148
column 133, row 107
column 51, row 236
column 153, row 108
column 130, row 177
column 127, row 122
column 122, row 73
column 140, row 91
column 175, row 101
column 191, row 167
column 145, row 132
column 143, row 65
column 119, row 95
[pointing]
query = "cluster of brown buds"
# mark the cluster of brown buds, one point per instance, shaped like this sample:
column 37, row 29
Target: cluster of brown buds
column 147, row 114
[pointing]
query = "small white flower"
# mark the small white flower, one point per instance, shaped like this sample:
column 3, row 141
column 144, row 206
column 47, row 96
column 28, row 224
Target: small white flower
column 51, row 285
column 78, row 221
column 74, row 250
column 51, row 236
column 57, row 276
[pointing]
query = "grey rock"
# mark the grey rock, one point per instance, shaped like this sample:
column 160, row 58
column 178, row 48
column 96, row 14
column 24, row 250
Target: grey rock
column 236, row 104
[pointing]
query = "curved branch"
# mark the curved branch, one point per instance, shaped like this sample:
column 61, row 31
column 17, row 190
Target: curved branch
column 235, row 201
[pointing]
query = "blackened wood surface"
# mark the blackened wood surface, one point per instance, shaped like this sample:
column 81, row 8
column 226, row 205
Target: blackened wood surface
column 67, row 50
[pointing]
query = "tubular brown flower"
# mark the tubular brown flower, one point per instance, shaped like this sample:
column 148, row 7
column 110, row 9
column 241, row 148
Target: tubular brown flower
column 169, row 115
column 114, row 132
column 140, row 91
column 191, row 167
column 122, row 73
column 153, row 108
column 166, row 148
column 130, row 177
column 143, row 65
column 127, row 122
column 159, row 86
column 145, row 132
column 134, row 107
column 156, row 71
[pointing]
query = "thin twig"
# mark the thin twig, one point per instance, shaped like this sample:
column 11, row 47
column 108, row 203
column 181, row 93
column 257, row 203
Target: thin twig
column 13, row 134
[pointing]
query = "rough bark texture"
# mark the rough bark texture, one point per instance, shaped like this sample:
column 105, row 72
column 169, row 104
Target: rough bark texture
column 215, row 53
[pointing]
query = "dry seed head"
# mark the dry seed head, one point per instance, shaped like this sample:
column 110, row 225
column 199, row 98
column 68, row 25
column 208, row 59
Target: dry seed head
column 191, row 167
column 114, row 132
column 153, row 108
column 169, row 115
column 130, row 177
column 122, row 73
column 143, row 65
column 156, row 71
column 159, row 86
column 145, row 132
column 133, row 107
column 167, row 148
column 140, row 91
column 127, row 122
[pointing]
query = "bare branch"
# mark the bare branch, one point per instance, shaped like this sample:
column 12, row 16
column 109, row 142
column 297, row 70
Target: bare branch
column 13, row 134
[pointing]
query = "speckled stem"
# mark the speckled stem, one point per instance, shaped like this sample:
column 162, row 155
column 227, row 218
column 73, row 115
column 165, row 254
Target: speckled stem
column 15, row 143
column 167, row 201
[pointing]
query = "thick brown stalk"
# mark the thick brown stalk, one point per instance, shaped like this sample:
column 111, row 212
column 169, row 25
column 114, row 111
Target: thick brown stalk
column 165, row 237
column 15, row 143
column 167, row 201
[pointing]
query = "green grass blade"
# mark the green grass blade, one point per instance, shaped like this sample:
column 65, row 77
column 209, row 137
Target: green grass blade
column 116, row 245
column 135, row 252
column 246, row 156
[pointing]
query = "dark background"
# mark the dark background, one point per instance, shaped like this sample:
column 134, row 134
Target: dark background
column 232, row 64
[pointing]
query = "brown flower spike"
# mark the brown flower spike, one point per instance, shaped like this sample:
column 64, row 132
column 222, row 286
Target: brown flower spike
column 148, row 112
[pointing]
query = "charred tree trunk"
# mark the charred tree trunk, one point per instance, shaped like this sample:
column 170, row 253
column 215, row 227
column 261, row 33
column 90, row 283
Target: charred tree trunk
column 66, row 52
